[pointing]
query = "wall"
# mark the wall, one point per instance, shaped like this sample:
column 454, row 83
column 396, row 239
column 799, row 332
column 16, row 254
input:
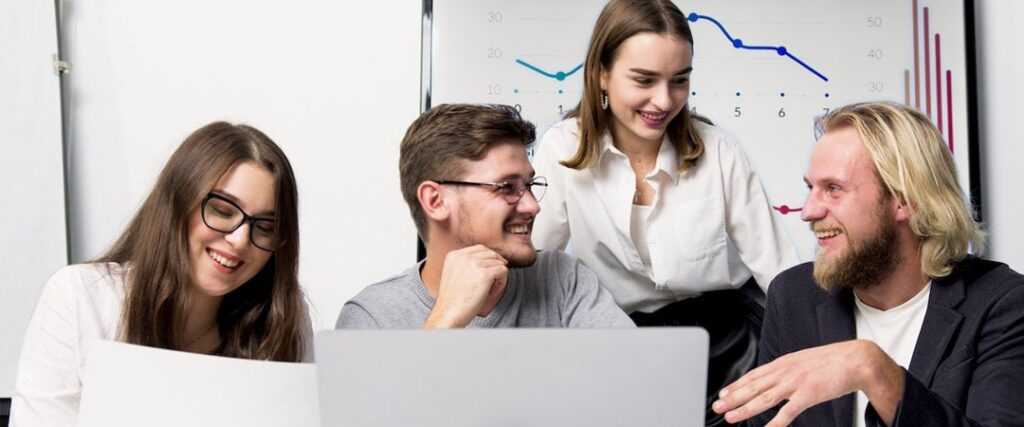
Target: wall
column 334, row 83
column 1000, row 66
column 32, row 233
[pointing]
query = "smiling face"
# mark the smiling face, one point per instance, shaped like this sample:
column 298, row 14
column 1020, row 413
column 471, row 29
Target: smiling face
column 221, row 262
column 849, row 213
column 484, row 217
column 648, row 84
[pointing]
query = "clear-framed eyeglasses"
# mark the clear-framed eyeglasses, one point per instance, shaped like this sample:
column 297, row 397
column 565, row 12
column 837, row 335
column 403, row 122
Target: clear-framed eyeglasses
column 511, row 190
column 223, row 215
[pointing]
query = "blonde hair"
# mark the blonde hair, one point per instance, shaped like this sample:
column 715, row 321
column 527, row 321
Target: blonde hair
column 912, row 162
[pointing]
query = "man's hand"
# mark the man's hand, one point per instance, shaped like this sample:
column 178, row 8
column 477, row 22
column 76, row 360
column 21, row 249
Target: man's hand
column 472, row 281
column 809, row 377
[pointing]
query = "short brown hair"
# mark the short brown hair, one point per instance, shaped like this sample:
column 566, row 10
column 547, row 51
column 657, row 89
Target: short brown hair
column 437, row 142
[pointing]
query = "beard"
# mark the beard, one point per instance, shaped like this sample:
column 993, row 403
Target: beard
column 517, row 260
column 865, row 262
column 467, row 236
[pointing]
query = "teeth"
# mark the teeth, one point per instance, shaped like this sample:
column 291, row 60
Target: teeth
column 519, row 229
column 824, row 234
column 654, row 116
column 223, row 261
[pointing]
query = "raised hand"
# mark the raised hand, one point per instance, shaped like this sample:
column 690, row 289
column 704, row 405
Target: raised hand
column 811, row 376
column 473, row 280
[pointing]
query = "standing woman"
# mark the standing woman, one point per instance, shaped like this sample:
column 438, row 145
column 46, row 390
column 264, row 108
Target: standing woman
column 662, row 205
column 207, row 265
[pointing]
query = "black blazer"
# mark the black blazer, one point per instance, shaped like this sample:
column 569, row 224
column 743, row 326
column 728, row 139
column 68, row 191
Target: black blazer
column 968, row 364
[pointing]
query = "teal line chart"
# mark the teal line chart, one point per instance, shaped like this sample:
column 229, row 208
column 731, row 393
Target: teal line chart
column 558, row 75
column 692, row 17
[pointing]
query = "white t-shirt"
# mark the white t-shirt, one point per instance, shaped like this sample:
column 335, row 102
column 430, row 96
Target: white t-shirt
column 709, row 228
column 894, row 330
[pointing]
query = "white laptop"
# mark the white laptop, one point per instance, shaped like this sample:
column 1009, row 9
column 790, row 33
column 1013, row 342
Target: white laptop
column 512, row 377
column 127, row 385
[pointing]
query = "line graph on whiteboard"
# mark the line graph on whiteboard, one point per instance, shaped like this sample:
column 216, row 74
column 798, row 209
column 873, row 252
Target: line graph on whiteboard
column 764, row 70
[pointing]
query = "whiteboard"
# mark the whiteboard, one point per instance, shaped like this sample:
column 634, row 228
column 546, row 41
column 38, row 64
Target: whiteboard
column 32, row 222
column 763, row 70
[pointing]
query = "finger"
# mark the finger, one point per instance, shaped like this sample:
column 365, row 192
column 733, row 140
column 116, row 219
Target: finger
column 758, row 402
column 754, row 375
column 744, row 383
column 491, row 263
column 484, row 252
column 498, row 272
column 498, row 286
column 741, row 394
column 787, row 414
column 478, row 251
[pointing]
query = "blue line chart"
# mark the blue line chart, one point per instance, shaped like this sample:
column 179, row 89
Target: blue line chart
column 692, row 17
column 738, row 43
column 558, row 75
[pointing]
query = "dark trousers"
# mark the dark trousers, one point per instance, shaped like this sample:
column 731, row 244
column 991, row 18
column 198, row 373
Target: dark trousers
column 733, row 320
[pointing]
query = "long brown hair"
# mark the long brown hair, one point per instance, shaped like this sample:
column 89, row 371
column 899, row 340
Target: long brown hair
column 262, row 319
column 620, row 20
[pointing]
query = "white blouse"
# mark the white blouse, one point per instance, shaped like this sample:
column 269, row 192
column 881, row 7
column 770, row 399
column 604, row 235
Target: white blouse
column 709, row 228
column 79, row 304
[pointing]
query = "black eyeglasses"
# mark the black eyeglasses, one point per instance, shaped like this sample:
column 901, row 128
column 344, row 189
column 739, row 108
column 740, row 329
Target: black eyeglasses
column 511, row 190
column 223, row 215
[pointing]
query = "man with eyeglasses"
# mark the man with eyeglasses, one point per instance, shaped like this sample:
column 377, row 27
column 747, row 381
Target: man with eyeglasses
column 473, row 196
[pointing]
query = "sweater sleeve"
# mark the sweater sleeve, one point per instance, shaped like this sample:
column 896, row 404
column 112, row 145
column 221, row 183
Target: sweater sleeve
column 354, row 316
column 585, row 303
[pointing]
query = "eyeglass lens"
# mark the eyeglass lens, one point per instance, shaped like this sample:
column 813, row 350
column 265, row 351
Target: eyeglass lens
column 225, row 217
column 517, row 187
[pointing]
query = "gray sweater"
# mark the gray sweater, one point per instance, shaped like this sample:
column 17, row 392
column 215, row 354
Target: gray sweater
column 555, row 292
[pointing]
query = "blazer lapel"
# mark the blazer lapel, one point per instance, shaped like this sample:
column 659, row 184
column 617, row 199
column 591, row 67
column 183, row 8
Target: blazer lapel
column 835, row 324
column 941, row 323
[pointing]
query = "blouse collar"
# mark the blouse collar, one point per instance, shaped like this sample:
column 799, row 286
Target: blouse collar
column 667, row 161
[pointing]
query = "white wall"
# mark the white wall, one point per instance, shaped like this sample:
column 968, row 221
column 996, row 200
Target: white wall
column 1000, row 67
column 335, row 83
column 31, row 170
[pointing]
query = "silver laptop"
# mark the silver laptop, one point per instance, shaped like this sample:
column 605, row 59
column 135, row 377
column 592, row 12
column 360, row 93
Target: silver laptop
column 512, row 377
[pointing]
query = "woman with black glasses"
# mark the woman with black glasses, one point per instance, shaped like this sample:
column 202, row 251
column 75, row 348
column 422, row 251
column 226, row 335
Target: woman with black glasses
column 207, row 265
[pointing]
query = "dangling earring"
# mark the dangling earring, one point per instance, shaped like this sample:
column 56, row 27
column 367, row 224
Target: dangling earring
column 604, row 100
